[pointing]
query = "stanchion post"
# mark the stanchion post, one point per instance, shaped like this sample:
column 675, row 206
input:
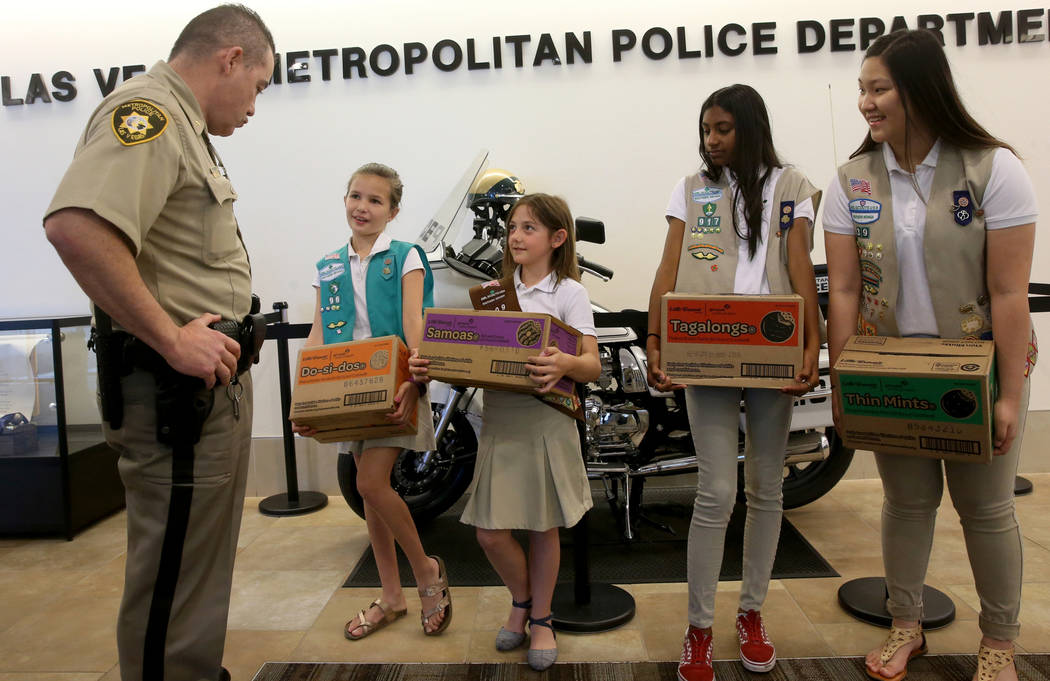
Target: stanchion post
column 586, row 607
column 292, row 502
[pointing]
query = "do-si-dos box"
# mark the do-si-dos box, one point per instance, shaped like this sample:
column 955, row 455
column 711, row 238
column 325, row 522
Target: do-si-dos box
column 929, row 397
column 731, row 340
column 346, row 390
column 490, row 349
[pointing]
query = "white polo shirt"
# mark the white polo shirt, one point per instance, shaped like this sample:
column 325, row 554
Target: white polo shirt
column 358, row 270
column 567, row 300
column 1009, row 201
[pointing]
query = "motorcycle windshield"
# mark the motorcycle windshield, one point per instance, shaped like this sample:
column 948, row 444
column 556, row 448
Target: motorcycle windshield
column 437, row 231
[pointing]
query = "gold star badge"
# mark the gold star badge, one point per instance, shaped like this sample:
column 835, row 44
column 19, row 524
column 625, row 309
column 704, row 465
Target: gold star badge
column 138, row 121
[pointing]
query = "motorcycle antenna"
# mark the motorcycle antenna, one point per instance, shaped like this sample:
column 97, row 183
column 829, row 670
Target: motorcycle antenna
column 436, row 231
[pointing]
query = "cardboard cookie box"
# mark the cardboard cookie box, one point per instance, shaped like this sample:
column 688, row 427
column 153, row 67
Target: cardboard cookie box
column 731, row 340
column 346, row 390
column 490, row 349
column 929, row 397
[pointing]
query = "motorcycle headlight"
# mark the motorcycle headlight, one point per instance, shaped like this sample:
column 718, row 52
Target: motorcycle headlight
column 632, row 376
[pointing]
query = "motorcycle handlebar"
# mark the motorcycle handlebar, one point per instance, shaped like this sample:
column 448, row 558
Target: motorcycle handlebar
column 595, row 268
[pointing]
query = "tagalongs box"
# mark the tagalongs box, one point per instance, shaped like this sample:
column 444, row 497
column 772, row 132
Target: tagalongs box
column 928, row 397
column 346, row 390
column 731, row 340
column 490, row 349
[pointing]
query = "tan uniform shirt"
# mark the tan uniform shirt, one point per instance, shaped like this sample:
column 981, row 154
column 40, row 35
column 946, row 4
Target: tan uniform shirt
column 145, row 165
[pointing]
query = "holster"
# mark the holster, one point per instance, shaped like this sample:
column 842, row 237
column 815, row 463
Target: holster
column 183, row 403
column 109, row 357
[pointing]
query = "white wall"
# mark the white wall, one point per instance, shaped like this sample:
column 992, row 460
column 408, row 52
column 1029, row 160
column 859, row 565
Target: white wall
column 613, row 138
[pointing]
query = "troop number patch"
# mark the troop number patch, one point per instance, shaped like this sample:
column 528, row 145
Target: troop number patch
column 138, row 121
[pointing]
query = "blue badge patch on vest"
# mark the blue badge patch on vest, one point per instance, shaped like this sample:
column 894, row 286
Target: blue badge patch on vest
column 962, row 208
column 707, row 194
column 331, row 271
column 706, row 251
column 864, row 211
column 787, row 213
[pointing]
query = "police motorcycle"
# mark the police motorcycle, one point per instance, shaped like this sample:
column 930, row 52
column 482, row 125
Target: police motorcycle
column 632, row 431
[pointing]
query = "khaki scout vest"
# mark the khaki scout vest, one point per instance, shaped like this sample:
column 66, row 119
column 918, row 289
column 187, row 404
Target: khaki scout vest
column 953, row 243
column 709, row 244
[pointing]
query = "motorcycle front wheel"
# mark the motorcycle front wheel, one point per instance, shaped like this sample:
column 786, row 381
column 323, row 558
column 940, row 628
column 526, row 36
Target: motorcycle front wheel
column 428, row 489
column 807, row 482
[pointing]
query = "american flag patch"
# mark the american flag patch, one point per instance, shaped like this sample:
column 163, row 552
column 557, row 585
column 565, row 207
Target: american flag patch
column 862, row 186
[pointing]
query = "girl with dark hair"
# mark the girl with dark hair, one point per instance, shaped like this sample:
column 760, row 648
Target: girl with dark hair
column 929, row 232
column 743, row 224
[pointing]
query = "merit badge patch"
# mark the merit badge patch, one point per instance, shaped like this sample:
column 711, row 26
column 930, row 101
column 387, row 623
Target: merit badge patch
column 709, row 209
column 331, row 271
column 962, row 208
column 706, row 251
column 707, row 194
column 787, row 213
column 138, row 121
column 870, row 276
column 864, row 211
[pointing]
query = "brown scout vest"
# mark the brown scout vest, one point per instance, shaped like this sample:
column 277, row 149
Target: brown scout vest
column 709, row 244
column 953, row 243
column 501, row 296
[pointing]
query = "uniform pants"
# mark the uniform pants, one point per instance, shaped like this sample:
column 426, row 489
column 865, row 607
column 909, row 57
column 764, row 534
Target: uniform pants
column 182, row 537
column 983, row 495
column 714, row 418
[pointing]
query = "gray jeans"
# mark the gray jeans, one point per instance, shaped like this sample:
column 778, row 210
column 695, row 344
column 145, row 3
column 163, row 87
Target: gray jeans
column 983, row 495
column 714, row 417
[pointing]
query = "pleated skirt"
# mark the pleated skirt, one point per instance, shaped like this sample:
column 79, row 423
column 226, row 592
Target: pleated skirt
column 529, row 473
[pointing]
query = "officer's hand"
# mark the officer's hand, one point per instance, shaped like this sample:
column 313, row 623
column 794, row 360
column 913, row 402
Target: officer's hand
column 205, row 353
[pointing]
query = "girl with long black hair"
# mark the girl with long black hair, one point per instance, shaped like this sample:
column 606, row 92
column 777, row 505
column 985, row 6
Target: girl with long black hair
column 742, row 224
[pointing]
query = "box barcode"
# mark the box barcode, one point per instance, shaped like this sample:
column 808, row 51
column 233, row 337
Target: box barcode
column 352, row 399
column 502, row 366
column 753, row 370
column 943, row 444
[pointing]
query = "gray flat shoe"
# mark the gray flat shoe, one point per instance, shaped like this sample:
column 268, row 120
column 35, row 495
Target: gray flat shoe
column 542, row 659
column 509, row 640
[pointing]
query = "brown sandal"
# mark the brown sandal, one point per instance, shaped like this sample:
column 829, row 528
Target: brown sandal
column 372, row 627
column 991, row 661
column 897, row 638
column 438, row 587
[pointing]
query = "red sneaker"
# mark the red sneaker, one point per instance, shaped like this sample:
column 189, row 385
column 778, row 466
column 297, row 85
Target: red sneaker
column 756, row 650
column 696, row 656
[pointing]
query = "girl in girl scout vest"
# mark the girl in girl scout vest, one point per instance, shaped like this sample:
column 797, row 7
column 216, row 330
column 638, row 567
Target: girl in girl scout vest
column 929, row 231
column 743, row 224
column 373, row 286
column 529, row 473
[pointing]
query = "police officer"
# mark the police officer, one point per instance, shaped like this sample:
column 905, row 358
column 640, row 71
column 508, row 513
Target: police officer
column 143, row 219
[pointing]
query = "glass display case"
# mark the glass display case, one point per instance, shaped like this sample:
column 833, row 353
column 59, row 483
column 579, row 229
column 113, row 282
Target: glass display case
column 57, row 475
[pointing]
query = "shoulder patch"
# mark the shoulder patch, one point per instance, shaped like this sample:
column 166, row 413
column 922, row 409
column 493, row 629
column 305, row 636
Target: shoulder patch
column 138, row 121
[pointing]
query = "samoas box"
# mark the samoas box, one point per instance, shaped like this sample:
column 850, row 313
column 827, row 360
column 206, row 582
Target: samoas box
column 929, row 397
column 731, row 340
column 490, row 349
column 345, row 390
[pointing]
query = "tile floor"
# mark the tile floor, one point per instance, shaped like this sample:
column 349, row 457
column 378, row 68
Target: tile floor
column 58, row 599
